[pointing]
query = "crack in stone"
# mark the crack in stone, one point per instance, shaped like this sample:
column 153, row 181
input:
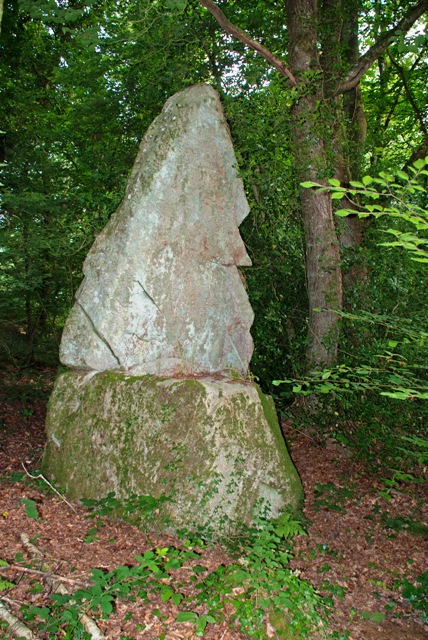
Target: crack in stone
column 147, row 294
column 224, row 264
column 97, row 333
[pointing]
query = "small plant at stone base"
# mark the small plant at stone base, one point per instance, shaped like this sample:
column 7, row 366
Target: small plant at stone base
column 262, row 590
column 142, row 511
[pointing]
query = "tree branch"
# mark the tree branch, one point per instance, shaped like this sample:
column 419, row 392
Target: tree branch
column 409, row 95
column 357, row 70
column 44, row 574
column 420, row 152
column 238, row 33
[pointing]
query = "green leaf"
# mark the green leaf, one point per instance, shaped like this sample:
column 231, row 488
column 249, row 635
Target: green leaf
column 366, row 180
column 198, row 569
column 106, row 605
column 187, row 616
column 177, row 5
column 419, row 164
column 30, row 508
column 3, row 563
column 5, row 584
column 334, row 182
column 403, row 175
column 375, row 616
column 338, row 195
column 308, row 184
column 177, row 598
column 166, row 593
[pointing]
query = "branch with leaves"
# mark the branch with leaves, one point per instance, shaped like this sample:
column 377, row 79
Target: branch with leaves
column 354, row 73
column 248, row 41
column 397, row 189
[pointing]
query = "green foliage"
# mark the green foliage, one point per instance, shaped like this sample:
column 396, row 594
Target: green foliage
column 142, row 511
column 384, row 355
column 394, row 197
column 400, row 523
column 30, row 508
column 5, row 584
column 375, row 616
column 331, row 497
column 273, row 231
column 258, row 587
column 417, row 595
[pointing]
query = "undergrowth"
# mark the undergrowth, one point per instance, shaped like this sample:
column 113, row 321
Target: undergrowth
column 258, row 586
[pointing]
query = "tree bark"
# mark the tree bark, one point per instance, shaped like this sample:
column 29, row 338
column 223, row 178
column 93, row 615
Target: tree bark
column 324, row 279
column 351, row 228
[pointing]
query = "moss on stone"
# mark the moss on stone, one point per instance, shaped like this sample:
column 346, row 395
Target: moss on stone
column 215, row 445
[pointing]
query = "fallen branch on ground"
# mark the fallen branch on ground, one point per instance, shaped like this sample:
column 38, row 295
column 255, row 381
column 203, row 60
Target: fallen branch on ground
column 55, row 582
column 16, row 628
column 44, row 574
column 40, row 476
column 88, row 624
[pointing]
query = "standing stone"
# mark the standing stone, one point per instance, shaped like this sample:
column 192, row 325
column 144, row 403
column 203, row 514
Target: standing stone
column 162, row 293
column 161, row 301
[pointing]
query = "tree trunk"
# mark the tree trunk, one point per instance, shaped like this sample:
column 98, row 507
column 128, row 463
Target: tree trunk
column 324, row 278
column 318, row 94
column 352, row 227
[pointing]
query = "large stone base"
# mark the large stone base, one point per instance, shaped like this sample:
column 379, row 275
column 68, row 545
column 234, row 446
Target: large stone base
column 214, row 446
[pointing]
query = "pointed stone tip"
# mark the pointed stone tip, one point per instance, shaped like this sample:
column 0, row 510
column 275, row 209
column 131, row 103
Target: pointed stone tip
column 155, row 283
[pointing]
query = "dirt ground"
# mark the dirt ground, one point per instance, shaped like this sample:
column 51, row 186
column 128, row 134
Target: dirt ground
column 349, row 555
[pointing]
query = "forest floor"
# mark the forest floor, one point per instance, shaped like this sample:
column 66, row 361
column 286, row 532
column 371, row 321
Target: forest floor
column 359, row 549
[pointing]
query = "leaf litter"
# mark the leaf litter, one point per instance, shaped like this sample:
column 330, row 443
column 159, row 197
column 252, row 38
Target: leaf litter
column 356, row 562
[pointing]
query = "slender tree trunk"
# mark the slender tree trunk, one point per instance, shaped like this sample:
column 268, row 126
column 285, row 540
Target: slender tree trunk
column 324, row 279
column 352, row 227
column 30, row 327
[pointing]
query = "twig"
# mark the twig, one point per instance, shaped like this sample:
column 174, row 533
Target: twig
column 42, row 477
column 45, row 574
column 56, row 583
column 13, row 601
column 16, row 628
